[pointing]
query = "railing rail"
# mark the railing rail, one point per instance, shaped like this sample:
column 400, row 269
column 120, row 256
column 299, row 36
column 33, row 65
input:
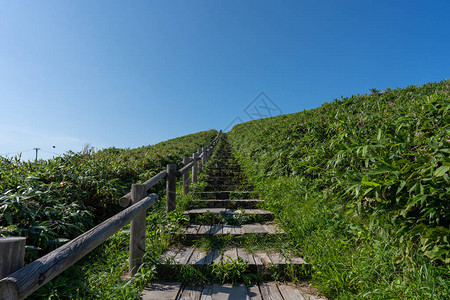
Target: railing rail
column 26, row 280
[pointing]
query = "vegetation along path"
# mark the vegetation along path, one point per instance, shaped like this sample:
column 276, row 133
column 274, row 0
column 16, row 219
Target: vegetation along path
column 229, row 248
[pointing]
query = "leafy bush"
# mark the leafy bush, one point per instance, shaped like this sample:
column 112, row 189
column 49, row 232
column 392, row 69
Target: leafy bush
column 51, row 201
column 376, row 164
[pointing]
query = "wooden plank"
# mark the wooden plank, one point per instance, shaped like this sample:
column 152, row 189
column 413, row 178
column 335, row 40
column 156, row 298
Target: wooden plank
column 247, row 257
column 253, row 228
column 207, row 293
column 229, row 255
column 192, row 229
column 171, row 188
column 168, row 256
column 186, row 175
column 290, row 293
column 228, row 229
column 137, row 230
column 269, row 291
column 227, row 291
column 253, row 292
column 126, row 199
column 278, row 259
column 212, row 256
column 262, row 261
column 12, row 254
column 198, row 258
column 31, row 277
column 215, row 229
column 204, row 229
column 191, row 292
column 237, row 230
column 273, row 229
column 296, row 260
column 183, row 255
column 162, row 291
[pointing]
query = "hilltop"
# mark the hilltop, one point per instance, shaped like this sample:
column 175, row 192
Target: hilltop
column 362, row 186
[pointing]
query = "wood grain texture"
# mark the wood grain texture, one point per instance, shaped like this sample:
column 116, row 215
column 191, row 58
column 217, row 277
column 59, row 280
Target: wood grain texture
column 162, row 291
column 186, row 176
column 126, row 199
column 137, row 230
column 171, row 188
column 12, row 253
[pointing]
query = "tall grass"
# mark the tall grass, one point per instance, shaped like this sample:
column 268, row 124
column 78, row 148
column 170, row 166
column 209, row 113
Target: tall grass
column 362, row 186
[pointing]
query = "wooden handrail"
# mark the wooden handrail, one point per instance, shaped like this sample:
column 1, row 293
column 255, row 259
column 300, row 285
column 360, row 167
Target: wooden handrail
column 126, row 199
column 31, row 277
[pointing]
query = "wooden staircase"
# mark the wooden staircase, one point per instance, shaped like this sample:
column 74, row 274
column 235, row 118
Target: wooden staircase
column 224, row 182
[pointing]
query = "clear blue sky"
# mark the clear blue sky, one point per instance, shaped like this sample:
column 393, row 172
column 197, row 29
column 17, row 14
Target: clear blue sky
column 133, row 73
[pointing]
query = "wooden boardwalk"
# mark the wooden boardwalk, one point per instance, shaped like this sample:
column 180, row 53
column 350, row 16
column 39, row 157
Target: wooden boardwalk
column 224, row 177
column 257, row 291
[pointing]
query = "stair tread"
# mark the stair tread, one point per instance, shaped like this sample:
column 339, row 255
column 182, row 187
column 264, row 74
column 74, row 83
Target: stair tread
column 228, row 211
column 196, row 229
column 266, row 290
column 198, row 257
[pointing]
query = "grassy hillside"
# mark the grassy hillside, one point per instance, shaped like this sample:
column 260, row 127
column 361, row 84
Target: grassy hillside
column 362, row 186
column 51, row 201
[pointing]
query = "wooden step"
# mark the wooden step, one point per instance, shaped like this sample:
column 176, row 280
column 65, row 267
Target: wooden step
column 222, row 194
column 254, row 213
column 263, row 291
column 259, row 261
column 199, row 231
column 228, row 203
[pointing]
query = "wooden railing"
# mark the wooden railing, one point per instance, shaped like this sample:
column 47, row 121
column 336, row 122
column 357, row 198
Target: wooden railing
column 28, row 279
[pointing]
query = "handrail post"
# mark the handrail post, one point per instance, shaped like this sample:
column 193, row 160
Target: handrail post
column 204, row 156
column 171, row 187
column 195, row 167
column 12, row 252
column 137, row 230
column 199, row 151
column 186, row 177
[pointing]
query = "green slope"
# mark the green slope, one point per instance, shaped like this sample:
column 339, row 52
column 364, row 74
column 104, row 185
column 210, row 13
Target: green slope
column 51, row 201
column 362, row 186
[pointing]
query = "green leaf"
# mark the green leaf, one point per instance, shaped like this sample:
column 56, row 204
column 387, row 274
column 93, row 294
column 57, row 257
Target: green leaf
column 370, row 183
column 441, row 171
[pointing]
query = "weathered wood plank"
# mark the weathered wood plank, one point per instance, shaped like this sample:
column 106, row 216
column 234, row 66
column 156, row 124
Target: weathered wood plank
column 126, row 199
column 215, row 229
column 192, row 229
column 162, row 291
column 186, row 176
column 204, row 229
column 269, row 291
column 262, row 261
column 229, row 255
column 253, row 228
column 290, row 293
column 253, row 292
column 246, row 256
column 137, row 230
column 168, row 256
column 278, row 259
column 228, row 291
column 183, row 255
column 12, row 253
column 207, row 293
column 198, row 258
column 171, row 188
column 212, row 256
column 273, row 229
column 191, row 293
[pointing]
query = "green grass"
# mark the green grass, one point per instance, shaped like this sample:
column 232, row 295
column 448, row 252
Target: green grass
column 361, row 186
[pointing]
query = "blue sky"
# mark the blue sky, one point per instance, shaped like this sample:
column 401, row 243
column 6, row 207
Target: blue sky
column 133, row 73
